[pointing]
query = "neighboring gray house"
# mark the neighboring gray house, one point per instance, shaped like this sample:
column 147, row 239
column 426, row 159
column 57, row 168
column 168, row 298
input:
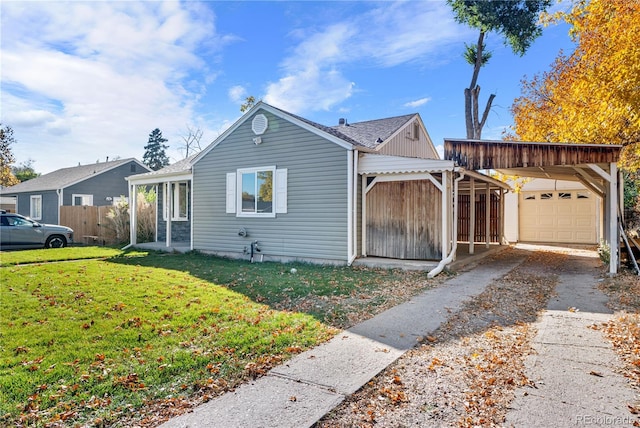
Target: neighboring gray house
column 96, row 184
column 304, row 191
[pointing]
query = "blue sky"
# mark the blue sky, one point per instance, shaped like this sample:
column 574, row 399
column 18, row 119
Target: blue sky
column 83, row 81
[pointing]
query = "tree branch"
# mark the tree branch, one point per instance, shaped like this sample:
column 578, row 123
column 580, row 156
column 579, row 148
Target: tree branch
column 487, row 108
column 478, row 64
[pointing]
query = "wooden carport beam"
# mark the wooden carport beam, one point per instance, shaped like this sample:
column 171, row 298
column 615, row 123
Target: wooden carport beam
column 589, row 182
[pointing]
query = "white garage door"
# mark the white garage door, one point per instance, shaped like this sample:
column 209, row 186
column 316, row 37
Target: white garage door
column 567, row 216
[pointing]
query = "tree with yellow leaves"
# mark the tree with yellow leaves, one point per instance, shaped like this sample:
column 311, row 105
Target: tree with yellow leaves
column 590, row 96
column 6, row 156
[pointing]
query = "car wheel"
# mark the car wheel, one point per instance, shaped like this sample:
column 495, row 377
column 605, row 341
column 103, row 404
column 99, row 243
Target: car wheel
column 55, row 241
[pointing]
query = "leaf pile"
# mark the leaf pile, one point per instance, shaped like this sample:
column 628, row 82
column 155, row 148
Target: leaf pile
column 623, row 330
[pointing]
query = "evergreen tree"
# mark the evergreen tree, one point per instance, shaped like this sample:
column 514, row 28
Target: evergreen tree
column 154, row 155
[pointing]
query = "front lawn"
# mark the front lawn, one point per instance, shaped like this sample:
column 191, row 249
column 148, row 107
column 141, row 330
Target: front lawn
column 98, row 341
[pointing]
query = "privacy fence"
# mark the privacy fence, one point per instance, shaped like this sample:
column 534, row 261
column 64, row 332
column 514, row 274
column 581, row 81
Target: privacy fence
column 91, row 225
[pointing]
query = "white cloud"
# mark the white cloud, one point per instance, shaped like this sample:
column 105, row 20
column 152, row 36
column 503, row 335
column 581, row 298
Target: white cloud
column 97, row 77
column 237, row 94
column 417, row 103
column 389, row 35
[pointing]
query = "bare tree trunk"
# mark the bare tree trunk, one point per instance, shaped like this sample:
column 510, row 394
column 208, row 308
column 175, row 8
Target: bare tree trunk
column 474, row 124
column 467, row 112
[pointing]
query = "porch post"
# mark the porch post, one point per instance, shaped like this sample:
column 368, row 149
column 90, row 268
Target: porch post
column 133, row 219
column 169, row 204
column 445, row 215
column 472, row 215
column 502, row 194
column 363, row 229
column 614, row 237
column 487, row 223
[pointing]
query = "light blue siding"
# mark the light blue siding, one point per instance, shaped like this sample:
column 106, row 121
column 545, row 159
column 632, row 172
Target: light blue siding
column 315, row 225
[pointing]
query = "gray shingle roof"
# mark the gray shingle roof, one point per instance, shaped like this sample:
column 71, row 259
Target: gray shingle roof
column 373, row 132
column 64, row 177
column 368, row 134
column 328, row 129
column 183, row 165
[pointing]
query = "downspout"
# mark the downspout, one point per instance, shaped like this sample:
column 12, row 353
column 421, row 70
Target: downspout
column 60, row 202
column 190, row 184
column 350, row 252
column 444, row 262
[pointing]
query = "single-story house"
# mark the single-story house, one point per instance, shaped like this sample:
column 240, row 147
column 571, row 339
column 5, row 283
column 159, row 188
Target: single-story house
column 281, row 187
column 102, row 183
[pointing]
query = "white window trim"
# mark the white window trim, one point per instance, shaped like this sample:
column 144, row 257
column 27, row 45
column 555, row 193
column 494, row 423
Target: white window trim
column 33, row 199
column 87, row 198
column 239, row 172
column 175, row 210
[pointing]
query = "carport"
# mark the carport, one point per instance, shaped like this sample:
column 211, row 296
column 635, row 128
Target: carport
column 594, row 165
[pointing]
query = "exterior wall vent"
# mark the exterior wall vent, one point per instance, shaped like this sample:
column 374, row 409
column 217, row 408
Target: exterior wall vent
column 259, row 124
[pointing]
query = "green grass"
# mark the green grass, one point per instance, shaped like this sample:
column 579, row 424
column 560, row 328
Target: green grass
column 94, row 341
column 56, row 254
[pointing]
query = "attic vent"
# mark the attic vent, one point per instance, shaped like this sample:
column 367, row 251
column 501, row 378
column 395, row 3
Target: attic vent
column 259, row 124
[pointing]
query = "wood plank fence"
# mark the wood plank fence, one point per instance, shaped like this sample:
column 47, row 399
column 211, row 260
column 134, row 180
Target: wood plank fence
column 464, row 218
column 89, row 223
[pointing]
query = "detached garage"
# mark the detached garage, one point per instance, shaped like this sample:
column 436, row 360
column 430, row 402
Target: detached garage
column 553, row 211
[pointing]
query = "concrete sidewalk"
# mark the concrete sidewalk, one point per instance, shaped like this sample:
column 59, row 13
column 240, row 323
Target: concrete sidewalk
column 301, row 391
column 573, row 372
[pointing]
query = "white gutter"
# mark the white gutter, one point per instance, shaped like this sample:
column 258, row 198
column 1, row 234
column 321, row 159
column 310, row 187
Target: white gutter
column 444, row 262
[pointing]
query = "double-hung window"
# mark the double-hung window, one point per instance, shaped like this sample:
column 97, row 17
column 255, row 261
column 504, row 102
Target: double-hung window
column 179, row 201
column 35, row 207
column 257, row 192
column 82, row 200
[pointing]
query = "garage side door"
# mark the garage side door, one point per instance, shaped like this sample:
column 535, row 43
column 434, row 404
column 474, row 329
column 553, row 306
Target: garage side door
column 558, row 217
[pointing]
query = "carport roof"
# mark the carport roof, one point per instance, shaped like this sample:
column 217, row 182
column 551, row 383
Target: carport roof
column 376, row 164
column 564, row 161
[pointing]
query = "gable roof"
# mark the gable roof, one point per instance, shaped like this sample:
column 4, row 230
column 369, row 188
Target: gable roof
column 372, row 133
column 321, row 130
column 366, row 135
column 66, row 177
